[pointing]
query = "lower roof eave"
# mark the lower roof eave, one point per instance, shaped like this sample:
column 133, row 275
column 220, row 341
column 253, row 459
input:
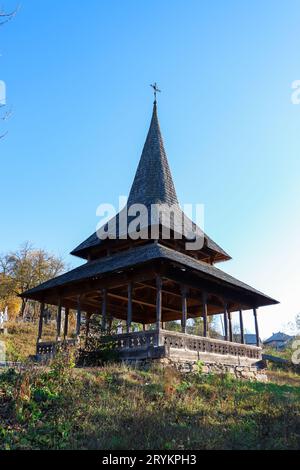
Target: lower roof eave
column 142, row 257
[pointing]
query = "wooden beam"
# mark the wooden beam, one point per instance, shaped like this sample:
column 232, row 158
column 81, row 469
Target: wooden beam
column 158, row 302
column 204, row 314
column 129, row 307
column 184, row 309
column 141, row 273
column 256, row 326
column 66, row 324
column 225, row 322
column 58, row 321
column 104, row 309
column 141, row 302
column 78, row 317
column 41, row 320
column 87, row 327
column 192, row 299
column 242, row 327
column 214, row 287
column 230, row 327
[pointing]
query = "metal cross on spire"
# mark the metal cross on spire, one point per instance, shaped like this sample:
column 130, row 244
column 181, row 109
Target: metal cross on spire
column 156, row 90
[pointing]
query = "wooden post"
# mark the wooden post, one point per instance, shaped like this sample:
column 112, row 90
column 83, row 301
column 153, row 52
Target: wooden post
column 41, row 319
column 66, row 325
column 158, row 302
column 58, row 322
column 87, row 326
column 104, row 307
column 225, row 323
column 256, row 326
column 242, row 327
column 204, row 314
column 78, row 317
column 230, row 327
column 129, row 307
column 184, row 309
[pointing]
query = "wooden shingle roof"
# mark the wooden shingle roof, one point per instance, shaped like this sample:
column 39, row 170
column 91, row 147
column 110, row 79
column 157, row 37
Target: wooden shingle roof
column 152, row 184
column 140, row 255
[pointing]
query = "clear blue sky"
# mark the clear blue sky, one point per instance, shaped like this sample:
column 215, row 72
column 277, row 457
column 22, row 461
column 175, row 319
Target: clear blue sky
column 78, row 78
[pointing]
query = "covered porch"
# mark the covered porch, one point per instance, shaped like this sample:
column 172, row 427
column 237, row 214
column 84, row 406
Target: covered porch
column 152, row 303
column 151, row 285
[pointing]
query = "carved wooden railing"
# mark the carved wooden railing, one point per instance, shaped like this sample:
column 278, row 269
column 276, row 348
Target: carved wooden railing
column 144, row 340
column 170, row 339
column 195, row 343
column 135, row 340
column 50, row 348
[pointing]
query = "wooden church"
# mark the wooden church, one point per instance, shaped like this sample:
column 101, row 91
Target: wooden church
column 151, row 280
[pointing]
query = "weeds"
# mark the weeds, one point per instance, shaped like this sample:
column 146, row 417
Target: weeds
column 119, row 407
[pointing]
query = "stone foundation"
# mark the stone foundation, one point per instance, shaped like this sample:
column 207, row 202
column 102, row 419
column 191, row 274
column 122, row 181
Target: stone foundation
column 242, row 372
column 239, row 372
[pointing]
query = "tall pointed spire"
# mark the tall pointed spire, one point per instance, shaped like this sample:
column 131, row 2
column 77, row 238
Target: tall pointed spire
column 153, row 183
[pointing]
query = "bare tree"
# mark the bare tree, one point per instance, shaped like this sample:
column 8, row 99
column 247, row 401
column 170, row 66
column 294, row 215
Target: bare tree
column 4, row 18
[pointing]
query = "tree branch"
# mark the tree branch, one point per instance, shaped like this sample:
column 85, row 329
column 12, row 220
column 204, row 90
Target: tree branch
column 5, row 17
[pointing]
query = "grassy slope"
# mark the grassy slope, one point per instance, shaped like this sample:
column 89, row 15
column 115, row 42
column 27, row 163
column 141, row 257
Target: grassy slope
column 116, row 407
column 21, row 339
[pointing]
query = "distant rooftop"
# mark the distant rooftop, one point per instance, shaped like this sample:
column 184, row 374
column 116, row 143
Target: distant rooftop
column 278, row 337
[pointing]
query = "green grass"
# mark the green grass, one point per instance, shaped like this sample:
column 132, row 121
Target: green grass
column 118, row 407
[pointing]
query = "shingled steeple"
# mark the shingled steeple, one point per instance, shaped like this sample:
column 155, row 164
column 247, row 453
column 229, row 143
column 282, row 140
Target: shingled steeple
column 153, row 183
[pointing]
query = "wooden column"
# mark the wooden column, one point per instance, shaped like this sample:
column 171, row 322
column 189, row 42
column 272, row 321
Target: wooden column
column 58, row 322
column 242, row 327
column 184, row 309
column 87, row 327
column 66, row 325
column 204, row 314
column 230, row 326
column 158, row 302
column 225, row 323
column 104, row 308
column 129, row 307
column 78, row 317
column 41, row 319
column 256, row 326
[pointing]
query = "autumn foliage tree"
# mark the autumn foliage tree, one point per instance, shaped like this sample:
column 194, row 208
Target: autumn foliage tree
column 24, row 269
